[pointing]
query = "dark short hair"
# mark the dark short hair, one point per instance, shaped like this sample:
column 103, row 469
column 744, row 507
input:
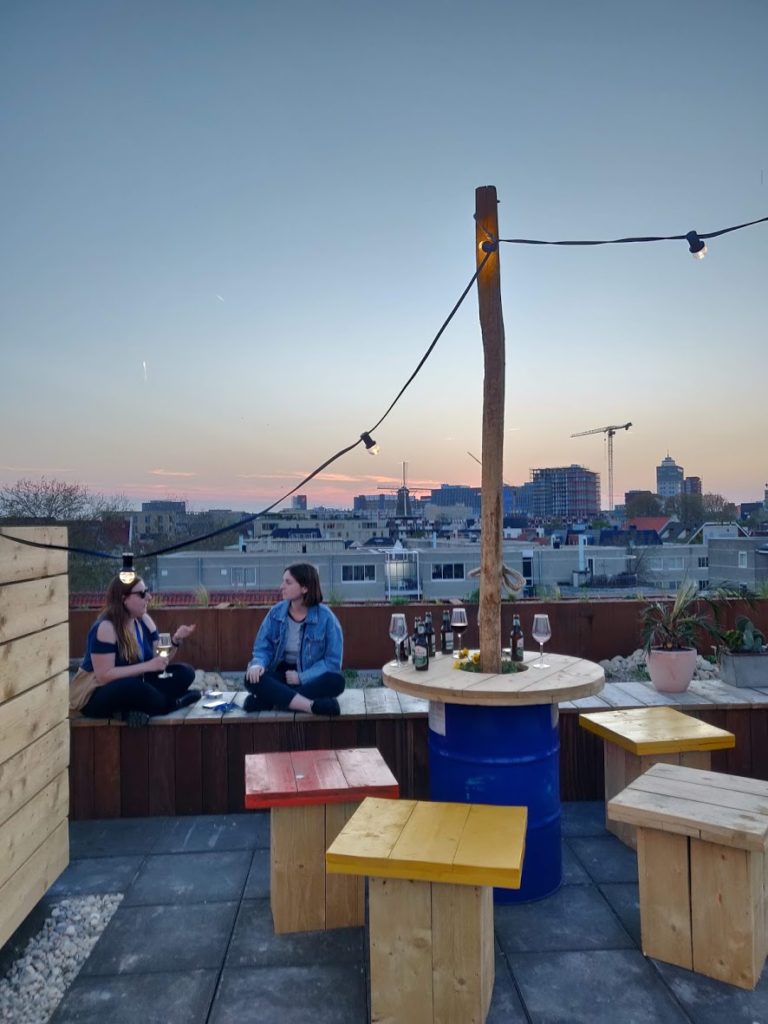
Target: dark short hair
column 306, row 575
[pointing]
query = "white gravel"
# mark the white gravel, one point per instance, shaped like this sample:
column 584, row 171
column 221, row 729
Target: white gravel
column 37, row 980
column 633, row 668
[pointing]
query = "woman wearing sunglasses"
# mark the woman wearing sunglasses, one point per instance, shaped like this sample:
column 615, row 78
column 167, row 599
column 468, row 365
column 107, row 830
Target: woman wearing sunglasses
column 120, row 671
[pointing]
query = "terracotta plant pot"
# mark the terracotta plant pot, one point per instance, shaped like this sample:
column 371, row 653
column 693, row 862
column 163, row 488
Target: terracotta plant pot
column 671, row 671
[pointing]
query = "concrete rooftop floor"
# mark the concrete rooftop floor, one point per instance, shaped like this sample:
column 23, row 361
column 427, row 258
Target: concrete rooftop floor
column 192, row 940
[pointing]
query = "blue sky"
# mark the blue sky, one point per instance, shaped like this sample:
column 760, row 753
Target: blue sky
column 231, row 230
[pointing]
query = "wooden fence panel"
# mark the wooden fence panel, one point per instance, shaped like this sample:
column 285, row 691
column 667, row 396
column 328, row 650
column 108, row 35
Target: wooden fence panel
column 34, row 727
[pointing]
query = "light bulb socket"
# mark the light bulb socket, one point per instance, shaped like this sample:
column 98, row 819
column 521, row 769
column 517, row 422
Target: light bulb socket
column 369, row 443
column 127, row 574
column 696, row 246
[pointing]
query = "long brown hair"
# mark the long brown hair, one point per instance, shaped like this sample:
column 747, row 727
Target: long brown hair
column 114, row 612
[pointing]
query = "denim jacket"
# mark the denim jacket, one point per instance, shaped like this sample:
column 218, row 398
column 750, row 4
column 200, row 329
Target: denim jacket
column 322, row 643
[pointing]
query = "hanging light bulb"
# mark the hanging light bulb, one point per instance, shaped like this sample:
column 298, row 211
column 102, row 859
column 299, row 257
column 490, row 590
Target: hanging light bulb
column 127, row 573
column 696, row 246
column 370, row 444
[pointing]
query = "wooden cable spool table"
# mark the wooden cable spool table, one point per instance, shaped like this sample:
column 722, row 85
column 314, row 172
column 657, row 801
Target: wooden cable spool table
column 493, row 739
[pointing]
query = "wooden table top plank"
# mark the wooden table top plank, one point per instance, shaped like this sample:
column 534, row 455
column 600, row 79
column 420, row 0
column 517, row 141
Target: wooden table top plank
column 565, row 679
column 432, row 842
column 432, row 833
column 318, row 771
column 268, row 778
column 709, row 779
column 674, row 800
column 367, row 772
column 316, row 777
column 656, row 730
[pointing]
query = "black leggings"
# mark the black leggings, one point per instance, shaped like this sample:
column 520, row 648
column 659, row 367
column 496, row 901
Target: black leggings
column 147, row 692
column 272, row 691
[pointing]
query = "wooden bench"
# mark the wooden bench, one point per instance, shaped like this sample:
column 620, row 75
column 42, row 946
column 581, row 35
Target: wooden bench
column 701, row 847
column 636, row 738
column 311, row 794
column 431, row 869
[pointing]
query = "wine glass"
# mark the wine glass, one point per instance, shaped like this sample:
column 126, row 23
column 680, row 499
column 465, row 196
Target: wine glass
column 398, row 631
column 541, row 632
column 458, row 625
column 163, row 648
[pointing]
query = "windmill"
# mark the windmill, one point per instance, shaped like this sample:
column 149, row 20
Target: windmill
column 609, row 431
column 403, row 508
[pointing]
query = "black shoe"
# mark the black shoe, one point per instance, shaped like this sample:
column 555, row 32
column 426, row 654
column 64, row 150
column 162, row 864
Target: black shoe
column 326, row 706
column 135, row 719
column 190, row 697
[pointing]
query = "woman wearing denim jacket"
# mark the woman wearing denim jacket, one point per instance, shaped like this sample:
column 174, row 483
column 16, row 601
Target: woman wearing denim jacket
column 296, row 661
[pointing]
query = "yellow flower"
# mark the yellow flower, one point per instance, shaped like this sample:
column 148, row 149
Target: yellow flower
column 476, row 657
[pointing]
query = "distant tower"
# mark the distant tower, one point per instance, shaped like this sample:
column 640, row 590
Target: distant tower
column 669, row 478
column 299, row 502
column 692, row 485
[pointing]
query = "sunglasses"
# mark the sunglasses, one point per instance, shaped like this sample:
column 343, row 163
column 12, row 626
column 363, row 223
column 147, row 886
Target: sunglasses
column 139, row 593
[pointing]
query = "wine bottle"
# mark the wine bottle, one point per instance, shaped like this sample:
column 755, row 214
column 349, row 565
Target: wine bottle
column 430, row 631
column 446, row 633
column 516, row 640
column 421, row 649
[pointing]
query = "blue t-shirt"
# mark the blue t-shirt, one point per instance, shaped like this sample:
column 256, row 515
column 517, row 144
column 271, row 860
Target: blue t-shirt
column 144, row 637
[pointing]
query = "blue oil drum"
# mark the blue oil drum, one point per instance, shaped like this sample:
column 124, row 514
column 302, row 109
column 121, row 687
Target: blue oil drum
column 509, row 756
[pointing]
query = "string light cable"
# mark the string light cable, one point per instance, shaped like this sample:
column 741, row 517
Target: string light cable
column 365, row 438
column 696, row 245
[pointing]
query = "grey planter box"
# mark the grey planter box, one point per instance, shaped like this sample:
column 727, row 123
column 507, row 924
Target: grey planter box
column 745, row 670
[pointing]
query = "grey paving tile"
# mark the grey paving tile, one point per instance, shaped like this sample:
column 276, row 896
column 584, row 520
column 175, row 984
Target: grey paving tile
column 183, row 937
column 576, row 917
column 96, row 875
column 214, row 832
column 606, row 858
column 616, row 986
column 330, row 994
column 116, row 837
column 583, row 818
column 506, row 1006
column 711, row 1002
column 254, row 943
column 573, row 870
column 624, row 898
column 147, row 998
column 190, row 878
column 257, row 883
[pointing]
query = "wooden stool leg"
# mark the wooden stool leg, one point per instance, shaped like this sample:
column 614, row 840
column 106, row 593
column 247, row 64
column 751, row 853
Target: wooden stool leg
column 665, row 902
column 297, row 868
column 344, row 894
column 727, row 913
column 432, row 955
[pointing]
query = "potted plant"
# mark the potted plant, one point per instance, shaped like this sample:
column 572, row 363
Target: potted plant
column 742, row 655
column 669, row 630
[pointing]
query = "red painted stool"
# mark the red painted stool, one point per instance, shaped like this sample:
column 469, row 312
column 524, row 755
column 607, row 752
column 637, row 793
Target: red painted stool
column 311, row 795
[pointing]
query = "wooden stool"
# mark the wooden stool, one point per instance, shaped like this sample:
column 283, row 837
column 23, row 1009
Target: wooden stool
column 311, row 793
column 637, row 738
column 430, row 901
column 701, row 848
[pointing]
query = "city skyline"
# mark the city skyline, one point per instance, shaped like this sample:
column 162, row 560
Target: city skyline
column 231, row 234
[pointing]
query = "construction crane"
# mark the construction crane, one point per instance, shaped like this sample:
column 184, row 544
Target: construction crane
column 609, row 431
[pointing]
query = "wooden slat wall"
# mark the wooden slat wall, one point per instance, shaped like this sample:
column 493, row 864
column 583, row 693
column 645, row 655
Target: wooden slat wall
column 34, row 727
column 199, row 769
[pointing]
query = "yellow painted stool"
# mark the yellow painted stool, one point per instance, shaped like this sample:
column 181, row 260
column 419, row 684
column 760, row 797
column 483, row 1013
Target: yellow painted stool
column 431, row 869
column 637, row 738
column 701, row 864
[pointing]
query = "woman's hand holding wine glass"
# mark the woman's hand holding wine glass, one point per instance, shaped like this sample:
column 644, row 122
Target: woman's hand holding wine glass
column 163, row 648
column 541, row 633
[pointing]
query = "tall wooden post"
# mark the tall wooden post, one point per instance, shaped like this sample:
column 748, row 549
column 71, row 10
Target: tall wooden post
column 492, row 327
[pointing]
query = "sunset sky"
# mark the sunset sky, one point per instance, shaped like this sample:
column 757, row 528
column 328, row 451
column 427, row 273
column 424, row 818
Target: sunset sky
column 231, row 229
